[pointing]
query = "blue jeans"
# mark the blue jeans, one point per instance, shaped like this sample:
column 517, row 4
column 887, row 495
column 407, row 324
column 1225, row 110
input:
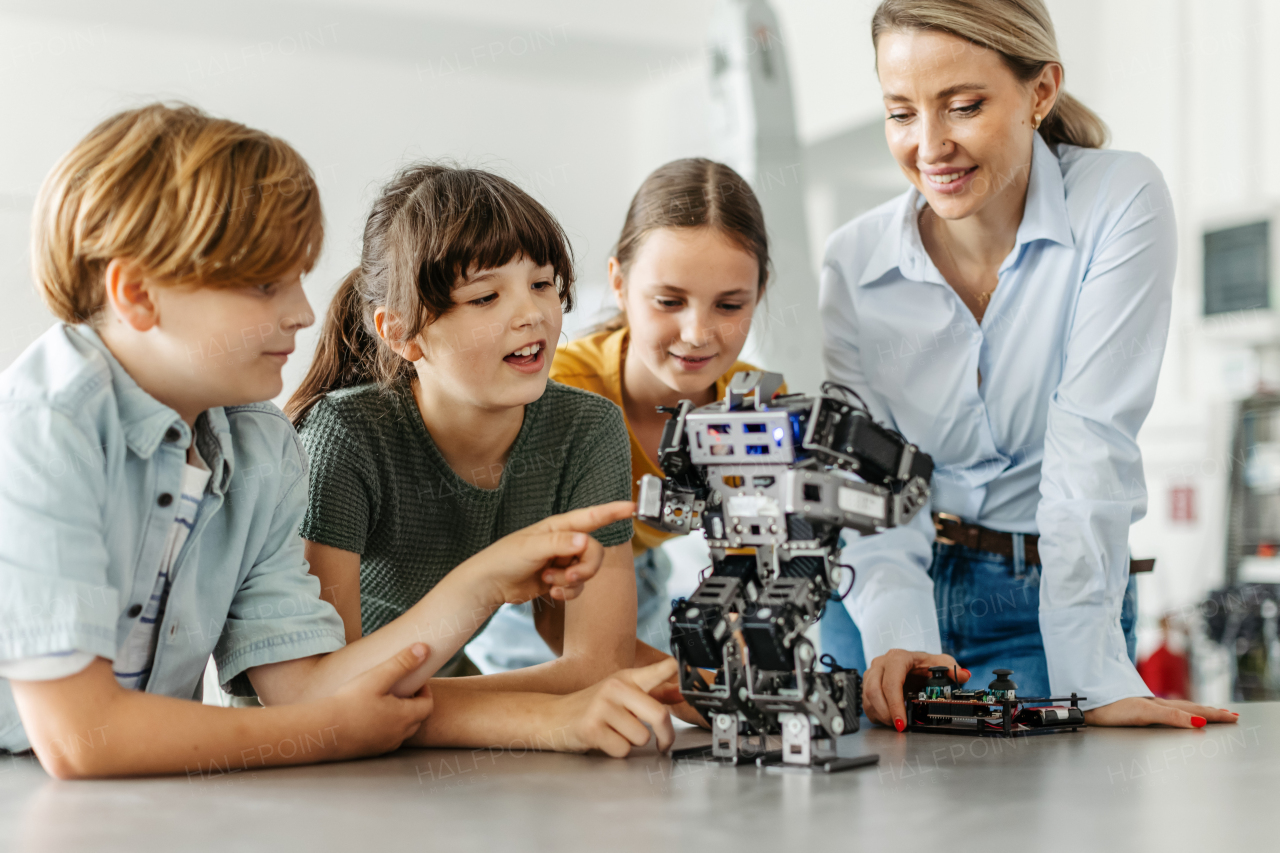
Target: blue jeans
column 988, row 614
column 653, row 571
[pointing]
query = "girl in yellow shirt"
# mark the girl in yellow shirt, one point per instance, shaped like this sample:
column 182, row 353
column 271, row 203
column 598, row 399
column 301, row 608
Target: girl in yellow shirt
column 687, row 273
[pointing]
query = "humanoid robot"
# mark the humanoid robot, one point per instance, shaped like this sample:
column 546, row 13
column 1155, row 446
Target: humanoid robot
column 771, row 480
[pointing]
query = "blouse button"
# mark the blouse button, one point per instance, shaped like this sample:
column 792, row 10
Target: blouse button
column 165, row 499
column 171, row 434
column 134, row 611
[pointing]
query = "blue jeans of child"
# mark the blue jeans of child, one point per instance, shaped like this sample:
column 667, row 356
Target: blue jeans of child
column 988, row 610
column 653, row 571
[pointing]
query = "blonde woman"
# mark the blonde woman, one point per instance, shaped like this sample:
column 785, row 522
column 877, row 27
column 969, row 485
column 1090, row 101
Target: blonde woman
column 1008, row 314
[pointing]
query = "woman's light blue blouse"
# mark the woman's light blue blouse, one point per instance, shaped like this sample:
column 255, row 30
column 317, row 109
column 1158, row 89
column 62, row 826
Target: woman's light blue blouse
column 1031, row 416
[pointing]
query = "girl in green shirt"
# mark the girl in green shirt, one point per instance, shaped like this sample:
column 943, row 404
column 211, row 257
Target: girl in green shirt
column 432, row 431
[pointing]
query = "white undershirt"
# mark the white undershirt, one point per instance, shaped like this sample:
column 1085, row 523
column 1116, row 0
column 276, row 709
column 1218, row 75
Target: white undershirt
column 132, row 665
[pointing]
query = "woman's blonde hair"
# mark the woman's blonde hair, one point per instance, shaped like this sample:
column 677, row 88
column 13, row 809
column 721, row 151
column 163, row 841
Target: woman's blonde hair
column 187, row 197
column 1021, row 31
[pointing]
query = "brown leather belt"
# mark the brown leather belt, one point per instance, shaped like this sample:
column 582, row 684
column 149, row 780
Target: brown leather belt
column 953, row 530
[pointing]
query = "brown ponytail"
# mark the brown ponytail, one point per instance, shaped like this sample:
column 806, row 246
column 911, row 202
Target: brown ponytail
column 346, row 354
column 1072, row 122
column 430, row 225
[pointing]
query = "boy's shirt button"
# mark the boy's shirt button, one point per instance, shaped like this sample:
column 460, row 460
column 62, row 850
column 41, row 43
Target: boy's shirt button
column 165, row 499
column 134, row 611
column 171, row 434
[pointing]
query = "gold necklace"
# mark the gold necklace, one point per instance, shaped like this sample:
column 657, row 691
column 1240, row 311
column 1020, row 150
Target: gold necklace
column 983, row 296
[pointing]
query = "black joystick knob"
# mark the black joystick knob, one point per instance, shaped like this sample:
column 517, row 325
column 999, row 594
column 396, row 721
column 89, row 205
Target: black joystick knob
column 939, row 676
column 1002, row 682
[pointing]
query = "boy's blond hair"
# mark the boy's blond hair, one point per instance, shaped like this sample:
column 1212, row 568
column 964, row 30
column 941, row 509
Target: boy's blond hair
column 187, row 197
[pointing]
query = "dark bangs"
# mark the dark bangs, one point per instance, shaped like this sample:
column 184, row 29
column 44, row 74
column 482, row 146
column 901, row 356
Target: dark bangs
column 429, row 225
column 478, row 220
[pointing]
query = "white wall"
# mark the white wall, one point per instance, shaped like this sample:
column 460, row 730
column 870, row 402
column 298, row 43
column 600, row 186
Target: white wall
column 1185, row 83
column 358, row 91
column 613, row 90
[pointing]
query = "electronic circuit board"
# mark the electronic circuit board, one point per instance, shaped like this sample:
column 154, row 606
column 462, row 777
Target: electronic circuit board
column 994, row 711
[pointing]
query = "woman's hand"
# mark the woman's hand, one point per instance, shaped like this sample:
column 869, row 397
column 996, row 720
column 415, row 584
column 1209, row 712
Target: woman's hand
column 554, row 557
column 371, row 719
column 1140, row 711
column 618, row 713
column 884, row 680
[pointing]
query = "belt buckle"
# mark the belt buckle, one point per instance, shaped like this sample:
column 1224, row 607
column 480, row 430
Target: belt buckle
column 945, row 517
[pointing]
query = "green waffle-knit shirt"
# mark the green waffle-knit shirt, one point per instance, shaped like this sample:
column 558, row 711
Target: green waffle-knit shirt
column 381, row 488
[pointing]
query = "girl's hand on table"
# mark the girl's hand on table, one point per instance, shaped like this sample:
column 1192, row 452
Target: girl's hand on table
column 1141, row 711
column 885, row 678
column 618, row 713
column 668, row 693
column 554, row 557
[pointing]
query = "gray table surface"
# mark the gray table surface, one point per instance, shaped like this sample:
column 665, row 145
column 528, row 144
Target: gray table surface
column 1101, row 789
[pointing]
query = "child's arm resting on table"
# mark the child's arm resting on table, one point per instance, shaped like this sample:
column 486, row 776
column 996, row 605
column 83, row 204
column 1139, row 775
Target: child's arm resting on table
column 593, row 636
column 553, row 558
column 610, row 716
column 86, row 725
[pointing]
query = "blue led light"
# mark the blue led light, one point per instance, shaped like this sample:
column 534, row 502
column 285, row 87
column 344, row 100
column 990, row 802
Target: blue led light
column 797, row 430
column 797, row 435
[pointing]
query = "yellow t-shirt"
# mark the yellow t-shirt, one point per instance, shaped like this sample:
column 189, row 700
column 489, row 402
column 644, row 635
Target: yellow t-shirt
column 594, row 363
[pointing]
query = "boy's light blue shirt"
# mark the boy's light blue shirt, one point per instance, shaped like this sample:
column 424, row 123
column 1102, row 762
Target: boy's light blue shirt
column 90, row 470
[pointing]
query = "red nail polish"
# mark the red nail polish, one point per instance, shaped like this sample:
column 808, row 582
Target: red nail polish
column 1199, row 722
column 967, row 674
column 900, row 725
column 1237, row 713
